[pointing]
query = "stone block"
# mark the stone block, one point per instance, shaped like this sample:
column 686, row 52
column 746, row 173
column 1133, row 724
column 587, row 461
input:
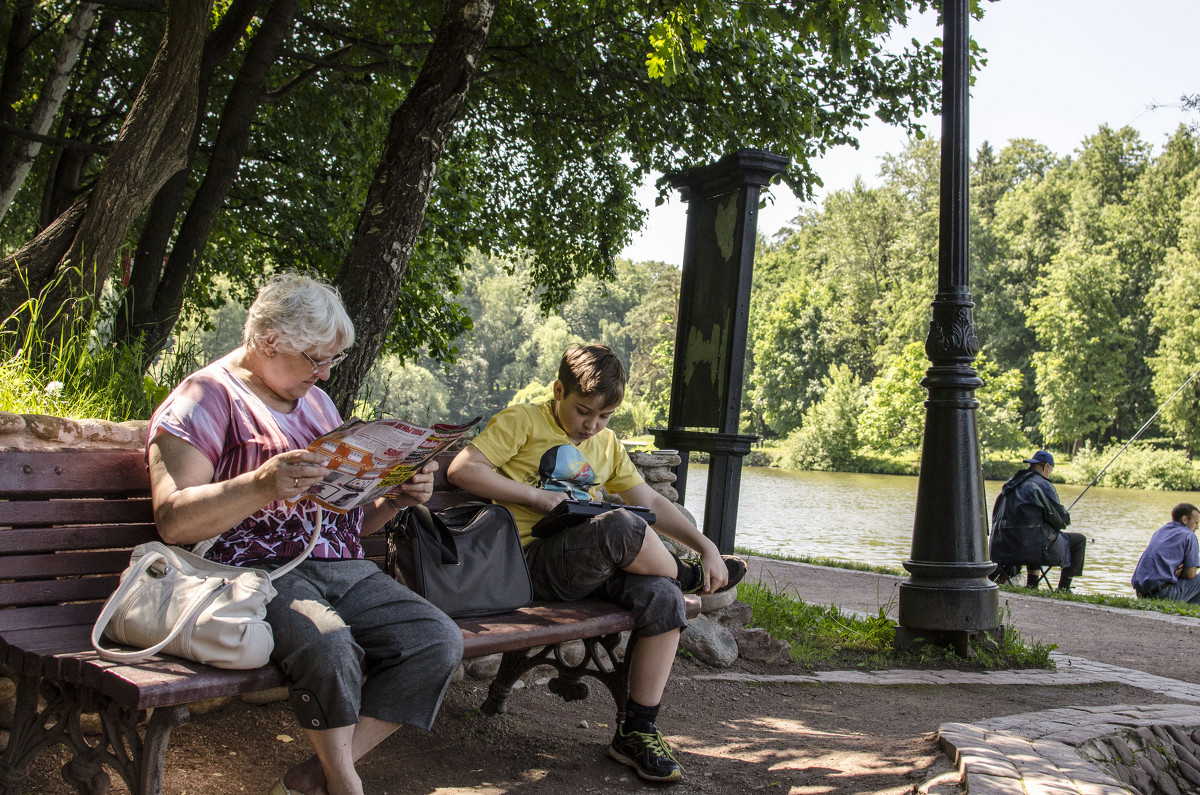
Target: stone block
column 483, row 667
column 735, row 616
column 709, row 642
column 710, row 603
column 269, row 696
column 208, row 705
column 573, row 652
column 757, row 644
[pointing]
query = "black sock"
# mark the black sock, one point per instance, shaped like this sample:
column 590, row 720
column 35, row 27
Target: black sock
column 639, row 718
column 689, row 574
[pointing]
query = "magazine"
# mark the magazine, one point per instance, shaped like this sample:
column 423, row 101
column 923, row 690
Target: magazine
column 367, row 459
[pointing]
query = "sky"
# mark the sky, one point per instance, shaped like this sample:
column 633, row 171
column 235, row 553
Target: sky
column 1056, row 71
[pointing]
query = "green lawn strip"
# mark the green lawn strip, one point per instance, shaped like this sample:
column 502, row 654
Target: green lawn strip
column 1167, row 606
column 827, row 638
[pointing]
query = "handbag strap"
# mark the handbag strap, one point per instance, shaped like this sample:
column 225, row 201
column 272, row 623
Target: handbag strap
column 436, row 532
column 199, row 602
column 303, row 556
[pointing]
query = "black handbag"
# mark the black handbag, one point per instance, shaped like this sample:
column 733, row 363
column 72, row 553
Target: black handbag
column 466, row 560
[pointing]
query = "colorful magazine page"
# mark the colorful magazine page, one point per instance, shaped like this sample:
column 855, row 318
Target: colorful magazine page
column 368, row 459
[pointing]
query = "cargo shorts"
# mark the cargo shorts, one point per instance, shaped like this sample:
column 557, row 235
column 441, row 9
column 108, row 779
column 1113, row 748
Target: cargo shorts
column 588, row 561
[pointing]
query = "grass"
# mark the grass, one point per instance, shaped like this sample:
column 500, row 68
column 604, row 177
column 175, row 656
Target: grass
column 827, row 638
column 78, row 373
column 1168, row 606
column 833, row 563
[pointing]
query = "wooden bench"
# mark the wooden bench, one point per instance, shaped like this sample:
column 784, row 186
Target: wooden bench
column 68, row 520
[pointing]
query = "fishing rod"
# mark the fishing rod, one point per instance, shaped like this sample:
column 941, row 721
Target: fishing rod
column 1133, row 438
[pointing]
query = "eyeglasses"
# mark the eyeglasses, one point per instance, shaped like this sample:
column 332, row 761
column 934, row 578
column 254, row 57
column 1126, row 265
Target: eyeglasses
column 318, row 366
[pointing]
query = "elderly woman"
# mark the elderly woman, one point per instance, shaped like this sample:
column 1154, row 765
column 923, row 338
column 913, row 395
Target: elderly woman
column 226, row 450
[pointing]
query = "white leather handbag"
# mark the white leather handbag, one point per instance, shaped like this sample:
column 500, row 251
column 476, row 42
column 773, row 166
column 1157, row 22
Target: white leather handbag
column 176, row 602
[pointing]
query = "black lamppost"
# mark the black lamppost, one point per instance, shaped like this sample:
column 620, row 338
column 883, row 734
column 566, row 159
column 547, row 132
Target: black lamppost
column 948, row 598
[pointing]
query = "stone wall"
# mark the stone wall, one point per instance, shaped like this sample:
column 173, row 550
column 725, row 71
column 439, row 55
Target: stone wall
column 43, row 432
column 657, row 471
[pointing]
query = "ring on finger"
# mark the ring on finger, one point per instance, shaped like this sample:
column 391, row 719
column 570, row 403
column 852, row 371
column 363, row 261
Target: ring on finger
column 295, row 483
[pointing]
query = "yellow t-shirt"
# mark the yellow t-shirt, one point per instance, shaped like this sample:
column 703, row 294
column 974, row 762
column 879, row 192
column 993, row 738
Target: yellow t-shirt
column 525, row 444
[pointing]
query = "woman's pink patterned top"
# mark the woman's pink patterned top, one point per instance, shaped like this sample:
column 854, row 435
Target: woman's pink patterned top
column 219, row 415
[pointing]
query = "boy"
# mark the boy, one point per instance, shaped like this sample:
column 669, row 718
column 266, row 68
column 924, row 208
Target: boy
column 530, row 458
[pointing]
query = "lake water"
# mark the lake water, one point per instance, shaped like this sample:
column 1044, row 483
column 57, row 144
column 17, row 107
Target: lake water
column 869, row 518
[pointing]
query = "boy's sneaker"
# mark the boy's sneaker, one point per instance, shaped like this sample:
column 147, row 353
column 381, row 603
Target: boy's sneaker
column 646, row 752
column 734, row 566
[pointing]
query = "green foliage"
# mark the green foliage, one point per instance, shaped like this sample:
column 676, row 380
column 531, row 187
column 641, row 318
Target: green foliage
column 894, row 418
column 789, row 357
column 1177, row 316
column 823, row 637
column 828, row 438
column 78, row 375
column 1081, row 370
column 534, row 392
column 1139, row 467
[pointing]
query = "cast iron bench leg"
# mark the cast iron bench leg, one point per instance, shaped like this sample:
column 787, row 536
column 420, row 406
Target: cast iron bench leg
column 600, row 661
column 140, row 762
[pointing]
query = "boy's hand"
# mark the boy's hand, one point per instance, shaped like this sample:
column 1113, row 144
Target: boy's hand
column 715, row 573
column 546, row 501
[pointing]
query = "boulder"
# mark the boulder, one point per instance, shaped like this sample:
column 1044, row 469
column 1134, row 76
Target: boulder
column 735, row 616
column 709, row 642
column 758, row 645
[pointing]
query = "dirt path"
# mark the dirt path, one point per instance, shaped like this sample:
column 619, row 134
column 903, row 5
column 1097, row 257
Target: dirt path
column 732, row 737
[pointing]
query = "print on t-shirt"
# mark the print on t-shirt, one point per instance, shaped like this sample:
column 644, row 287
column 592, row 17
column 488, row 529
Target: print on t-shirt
column 563, row 468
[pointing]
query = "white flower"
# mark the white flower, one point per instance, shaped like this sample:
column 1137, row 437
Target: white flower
column 54, row 388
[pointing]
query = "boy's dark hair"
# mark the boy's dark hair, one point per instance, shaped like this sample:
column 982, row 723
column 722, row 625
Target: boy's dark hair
column 593, row 370
column 1182, row 511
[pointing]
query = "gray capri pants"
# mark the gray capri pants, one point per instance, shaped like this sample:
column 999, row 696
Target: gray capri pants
column 336, row 620
column 587, row 561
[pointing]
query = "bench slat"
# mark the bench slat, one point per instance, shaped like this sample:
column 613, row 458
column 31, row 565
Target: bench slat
column 30, row 567
column 51, row 539
column 75, row 473
column 27, row 512
column 51, row 592
column 19, row 618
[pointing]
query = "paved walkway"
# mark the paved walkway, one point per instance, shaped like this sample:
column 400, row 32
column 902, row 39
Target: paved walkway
column 1051, row 751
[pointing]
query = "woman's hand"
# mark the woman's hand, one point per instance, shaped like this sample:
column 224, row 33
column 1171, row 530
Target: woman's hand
column 288, row 475
column 416, row 490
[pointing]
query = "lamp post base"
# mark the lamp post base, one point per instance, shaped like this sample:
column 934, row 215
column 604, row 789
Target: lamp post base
column 909, row 639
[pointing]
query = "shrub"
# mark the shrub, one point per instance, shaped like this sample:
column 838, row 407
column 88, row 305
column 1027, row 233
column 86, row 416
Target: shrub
column 828, row 439
column 1139, row 467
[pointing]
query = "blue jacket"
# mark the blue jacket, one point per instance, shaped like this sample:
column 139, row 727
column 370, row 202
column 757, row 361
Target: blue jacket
column 1026, row 521
column 1172, row 545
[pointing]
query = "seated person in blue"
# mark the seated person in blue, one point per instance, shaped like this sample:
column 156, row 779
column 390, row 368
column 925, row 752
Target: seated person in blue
column 1168, row 567
column 1028, row 527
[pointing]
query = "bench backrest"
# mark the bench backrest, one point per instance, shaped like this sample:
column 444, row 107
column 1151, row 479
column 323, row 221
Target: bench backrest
column 69, row 519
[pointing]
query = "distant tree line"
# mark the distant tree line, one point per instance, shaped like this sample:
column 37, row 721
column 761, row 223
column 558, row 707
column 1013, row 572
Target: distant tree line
column 1084, row 272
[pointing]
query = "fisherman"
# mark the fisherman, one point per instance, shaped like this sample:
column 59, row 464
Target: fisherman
column 1168, row 567
column 1028, row 528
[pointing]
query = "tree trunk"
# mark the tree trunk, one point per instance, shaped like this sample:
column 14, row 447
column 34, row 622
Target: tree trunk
column 387, row 230
column 154, row 303
column 150, row 147
column 20, row 26
column 49, row 99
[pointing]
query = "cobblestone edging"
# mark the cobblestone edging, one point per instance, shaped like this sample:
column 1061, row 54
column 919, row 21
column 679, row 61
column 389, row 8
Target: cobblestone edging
column 1070, row 750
